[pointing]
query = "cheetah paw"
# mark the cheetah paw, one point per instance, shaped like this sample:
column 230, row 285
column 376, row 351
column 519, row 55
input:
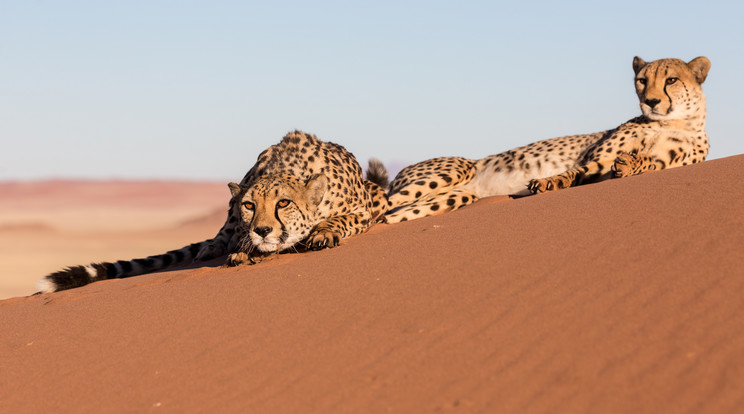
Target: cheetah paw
column 322, row 239
column 240, row 258
column 541, row 185
column 625, row 165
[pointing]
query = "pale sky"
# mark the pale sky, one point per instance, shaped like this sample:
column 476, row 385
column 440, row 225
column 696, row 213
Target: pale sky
column 196, row 89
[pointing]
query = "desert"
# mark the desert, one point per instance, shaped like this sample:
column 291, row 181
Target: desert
column 622, row 296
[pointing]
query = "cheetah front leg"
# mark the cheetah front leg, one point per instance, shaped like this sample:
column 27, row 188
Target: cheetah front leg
column 573, row 177
column 242, row 258
column 241, row 252
column 329, row 232
column 627, row 164
column 556, row 182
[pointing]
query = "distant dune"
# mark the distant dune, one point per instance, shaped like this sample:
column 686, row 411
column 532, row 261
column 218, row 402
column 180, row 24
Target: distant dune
column 108, row 205
column 50, row 224
column 26, row 227
column 619, row 297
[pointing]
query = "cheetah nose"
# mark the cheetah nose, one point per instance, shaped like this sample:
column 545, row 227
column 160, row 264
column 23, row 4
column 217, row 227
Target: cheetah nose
column 262, row 231
column 652, row 102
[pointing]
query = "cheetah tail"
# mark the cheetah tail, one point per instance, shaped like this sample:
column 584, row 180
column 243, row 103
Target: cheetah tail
column 76, row 276
column 377, row 173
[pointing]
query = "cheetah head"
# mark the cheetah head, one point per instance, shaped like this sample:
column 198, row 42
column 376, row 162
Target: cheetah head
column 670, row 88
column 278, row 210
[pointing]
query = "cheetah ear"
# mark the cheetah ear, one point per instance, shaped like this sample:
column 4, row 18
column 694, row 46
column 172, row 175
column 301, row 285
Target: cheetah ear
column 699, row 67
column 638, row 64
column 317, row 186
column 234, row 189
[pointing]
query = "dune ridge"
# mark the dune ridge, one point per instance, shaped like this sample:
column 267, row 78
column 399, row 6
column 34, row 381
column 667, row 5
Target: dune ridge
column 622, row 296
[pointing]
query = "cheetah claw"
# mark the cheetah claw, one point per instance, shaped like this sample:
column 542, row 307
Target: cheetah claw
column 240, row 258
column 623, row 165
column 540, row 186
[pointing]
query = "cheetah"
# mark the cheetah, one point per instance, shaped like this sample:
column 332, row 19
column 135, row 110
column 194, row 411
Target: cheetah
column 669, row 133
column 301, row 192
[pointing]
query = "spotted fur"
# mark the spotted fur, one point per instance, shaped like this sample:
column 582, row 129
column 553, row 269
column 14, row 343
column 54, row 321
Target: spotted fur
column 301, row 193
column 669, row 133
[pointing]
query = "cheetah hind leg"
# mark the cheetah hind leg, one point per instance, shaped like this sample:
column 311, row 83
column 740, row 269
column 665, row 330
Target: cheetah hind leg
column 431, row 205
column 429, row 178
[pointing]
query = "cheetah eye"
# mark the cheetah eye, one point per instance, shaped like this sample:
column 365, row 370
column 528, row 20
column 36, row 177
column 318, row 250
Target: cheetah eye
column 642, row 81
column 282, row 203
column 671, row 81
column 248, row 205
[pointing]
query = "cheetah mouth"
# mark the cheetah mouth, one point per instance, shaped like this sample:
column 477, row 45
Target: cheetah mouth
column 272, row 244
column 655, row 113
column 267, row 247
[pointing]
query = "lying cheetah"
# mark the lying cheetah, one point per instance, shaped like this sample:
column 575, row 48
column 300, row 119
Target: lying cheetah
column 670, row 133
column 300, row 190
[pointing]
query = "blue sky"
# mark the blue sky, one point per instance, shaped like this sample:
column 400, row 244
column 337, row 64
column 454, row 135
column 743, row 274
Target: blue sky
column 196, row 89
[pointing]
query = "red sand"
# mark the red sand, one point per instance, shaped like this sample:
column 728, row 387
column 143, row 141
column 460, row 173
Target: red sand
column 623, row 296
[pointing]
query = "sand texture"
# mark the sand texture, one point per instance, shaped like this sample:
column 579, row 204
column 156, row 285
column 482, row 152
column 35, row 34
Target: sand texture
column 620, row 297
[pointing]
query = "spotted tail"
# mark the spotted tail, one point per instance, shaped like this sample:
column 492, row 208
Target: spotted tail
column 77, row 276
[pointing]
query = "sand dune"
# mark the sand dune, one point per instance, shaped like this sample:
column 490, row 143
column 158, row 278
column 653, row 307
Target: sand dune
column 92, row 206
column 47, row 225
column 623, row 296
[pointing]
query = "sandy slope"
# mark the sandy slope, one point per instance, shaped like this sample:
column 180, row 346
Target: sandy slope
column 625, row 296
